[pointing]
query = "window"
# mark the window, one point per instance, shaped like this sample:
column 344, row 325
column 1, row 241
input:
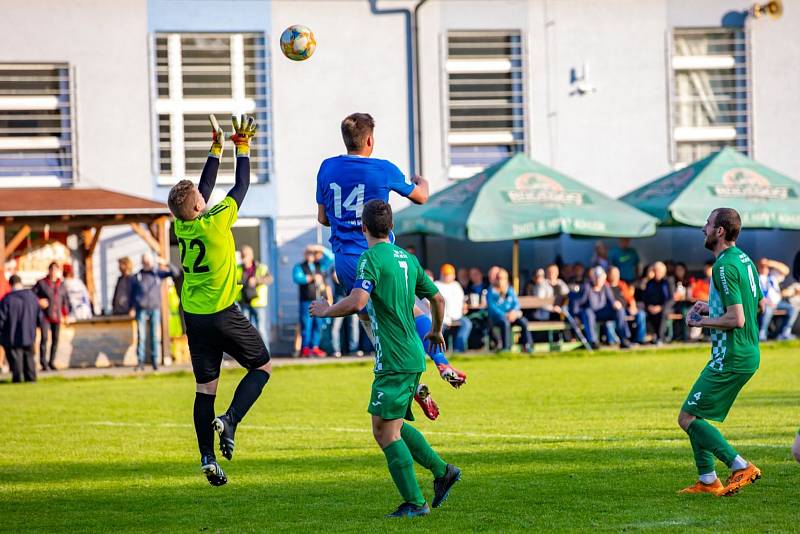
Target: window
column 201, row 73
column 709, row 93
column 485, row 99
column 36, row 141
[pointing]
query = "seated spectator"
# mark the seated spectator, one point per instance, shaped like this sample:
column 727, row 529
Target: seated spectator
column 600, row 257
column 771, row 274
column 641, row 283
column 463, row 278
column 491, row 275
column 658, row 300
column 455, row 322
column 626, row 258
column 624, row 294
column 578, row 275
column 504, row 311
column 597, row 303
column 699, row 287
column 476, row 287
column 680, row 281
column 560, row 288
column 539, row 287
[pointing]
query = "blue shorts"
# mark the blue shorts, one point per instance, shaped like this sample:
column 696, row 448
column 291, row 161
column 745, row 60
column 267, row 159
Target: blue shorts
column 346, row 266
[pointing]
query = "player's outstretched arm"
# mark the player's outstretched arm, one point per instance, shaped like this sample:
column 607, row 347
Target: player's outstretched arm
column 421, row 191
column 243, row 131
column 353, row 303
column 209, row 175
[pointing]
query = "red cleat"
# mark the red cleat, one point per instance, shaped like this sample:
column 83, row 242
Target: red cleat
column 451, row 375
column 316, row 351
column 426, row 402
column 305, row 353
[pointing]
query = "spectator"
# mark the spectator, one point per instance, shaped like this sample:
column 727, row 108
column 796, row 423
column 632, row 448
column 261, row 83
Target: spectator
column 476, row 287
column 560, row 288
column 340, row 292
column 680, row 281
column 641, row 283
column 699, row 287
column 5, row 286
column 578, row 274
column 122, row 302
column 455, row 322
column 309, row 275
column 491, row 276
column 658, row 299
column 771, row 274
column 19, row 312
column 255, row 279
column 504, row 311
column 597, row 302
column 626, row 259
column 600, row 257
column 147, row 305
column 540, row 288
column 80, row 304
column 55, row 307
column 625, row 295
column 463, row 278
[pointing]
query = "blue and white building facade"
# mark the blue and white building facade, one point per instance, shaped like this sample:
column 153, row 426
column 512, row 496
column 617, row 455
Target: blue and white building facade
column 613, row 93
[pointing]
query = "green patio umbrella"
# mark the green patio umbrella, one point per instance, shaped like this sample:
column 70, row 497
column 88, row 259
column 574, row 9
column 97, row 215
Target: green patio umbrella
column 519, row 198
column 764, row 198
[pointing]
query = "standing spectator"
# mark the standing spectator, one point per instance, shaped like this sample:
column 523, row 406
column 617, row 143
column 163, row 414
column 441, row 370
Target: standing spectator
column 19, row 312
column 680, row 281
column 147, row 303
column 600, row 257
column 699, row 288
column 309, row 275
column 597, row 303
column 626, row 259
column 80, row 304
column 255, row 279
column 504, row 311
column 122, row 303
column 55, row 307
column 771, row 274
column 658, row 299
column 625, row 295
column 454, row 308
column 339, row 293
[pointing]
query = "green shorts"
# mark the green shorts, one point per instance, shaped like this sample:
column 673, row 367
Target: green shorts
column 392, row 395
column 713, row 393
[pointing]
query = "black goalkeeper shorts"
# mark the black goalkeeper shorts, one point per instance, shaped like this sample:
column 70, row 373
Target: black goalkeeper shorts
column 227, row 331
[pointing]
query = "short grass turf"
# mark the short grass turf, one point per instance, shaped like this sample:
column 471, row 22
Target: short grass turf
column 563, row 443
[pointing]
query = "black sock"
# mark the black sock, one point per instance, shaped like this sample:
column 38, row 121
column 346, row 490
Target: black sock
column 247, row 393
column 203, row 419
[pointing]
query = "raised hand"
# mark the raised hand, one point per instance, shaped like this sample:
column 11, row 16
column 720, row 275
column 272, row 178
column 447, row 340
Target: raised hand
column 217, row 138
column 244, row 130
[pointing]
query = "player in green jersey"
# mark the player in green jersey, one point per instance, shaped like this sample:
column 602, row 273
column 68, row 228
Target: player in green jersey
column 214, row 323
column 730, row 315
column 392, row 276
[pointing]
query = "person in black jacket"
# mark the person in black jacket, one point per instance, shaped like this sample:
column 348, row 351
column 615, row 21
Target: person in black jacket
column 55, row 307
column 19, row 312
column 658, row 297
column 122, row 303
column 147, row 303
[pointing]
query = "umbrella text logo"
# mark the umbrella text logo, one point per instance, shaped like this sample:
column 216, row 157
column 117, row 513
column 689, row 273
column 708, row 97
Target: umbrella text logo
column 533, row 188
column 747, row 183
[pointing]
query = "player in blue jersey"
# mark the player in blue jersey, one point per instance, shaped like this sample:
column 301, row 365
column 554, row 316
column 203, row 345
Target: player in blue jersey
column 344, row 184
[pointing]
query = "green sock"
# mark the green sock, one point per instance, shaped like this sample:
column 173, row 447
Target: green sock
column 422, row 452
column 709, row 438
column 401, row 466
column 703, row 458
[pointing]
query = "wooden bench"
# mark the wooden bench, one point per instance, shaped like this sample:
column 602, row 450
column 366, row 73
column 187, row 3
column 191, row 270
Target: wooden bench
column 529, row 303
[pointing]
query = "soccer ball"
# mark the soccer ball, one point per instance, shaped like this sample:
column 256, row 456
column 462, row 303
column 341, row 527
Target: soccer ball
column 298, row 43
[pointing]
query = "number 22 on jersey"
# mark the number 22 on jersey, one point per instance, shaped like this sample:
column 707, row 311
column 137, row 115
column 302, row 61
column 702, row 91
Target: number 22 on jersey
column 353, row 202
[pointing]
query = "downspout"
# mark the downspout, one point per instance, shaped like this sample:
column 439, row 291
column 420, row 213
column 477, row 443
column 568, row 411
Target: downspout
column 412, row 80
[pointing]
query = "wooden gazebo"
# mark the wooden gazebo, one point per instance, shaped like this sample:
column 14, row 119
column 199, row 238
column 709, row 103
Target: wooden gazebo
column 84, row 211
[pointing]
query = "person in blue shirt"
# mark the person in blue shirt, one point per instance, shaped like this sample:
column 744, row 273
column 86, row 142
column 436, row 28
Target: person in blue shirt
column 344, row 184
column 505, row 312
column 310, row 277
column 626, row 259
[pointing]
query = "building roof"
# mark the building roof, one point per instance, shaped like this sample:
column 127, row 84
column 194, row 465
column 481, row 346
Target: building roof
column 62, row 203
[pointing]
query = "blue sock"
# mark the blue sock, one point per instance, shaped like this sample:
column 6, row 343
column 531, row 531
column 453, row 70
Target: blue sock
column 424, row 323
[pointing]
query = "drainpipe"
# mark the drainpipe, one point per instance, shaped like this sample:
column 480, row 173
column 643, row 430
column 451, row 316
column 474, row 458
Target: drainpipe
column 412, row 79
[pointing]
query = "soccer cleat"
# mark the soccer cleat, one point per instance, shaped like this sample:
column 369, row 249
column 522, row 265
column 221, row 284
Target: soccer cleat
column 740, row 479
column 442, row 485
column 316, row 351
column 212, row 471
column 451, row 375
column 426, row 402
column 699, row 487
column 226, row 430
column 408, row 509
column 305, row 353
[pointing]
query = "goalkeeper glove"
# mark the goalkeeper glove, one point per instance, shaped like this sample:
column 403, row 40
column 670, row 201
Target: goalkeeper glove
column 217, row 138
column 243, row 132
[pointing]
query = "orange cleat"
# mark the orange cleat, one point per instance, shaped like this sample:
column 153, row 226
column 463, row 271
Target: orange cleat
column 740, row 479
column 699, row 487
column 426, row 402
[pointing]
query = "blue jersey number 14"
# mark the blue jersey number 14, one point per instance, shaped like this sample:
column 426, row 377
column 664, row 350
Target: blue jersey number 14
column 353, row 202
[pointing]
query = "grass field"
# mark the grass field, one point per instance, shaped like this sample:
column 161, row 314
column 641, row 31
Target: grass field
column 560, row 443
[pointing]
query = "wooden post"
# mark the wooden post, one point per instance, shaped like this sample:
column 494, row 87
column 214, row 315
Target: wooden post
column 515, row 265
column 148, row 238
column 12, row 245
column 163, row 245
